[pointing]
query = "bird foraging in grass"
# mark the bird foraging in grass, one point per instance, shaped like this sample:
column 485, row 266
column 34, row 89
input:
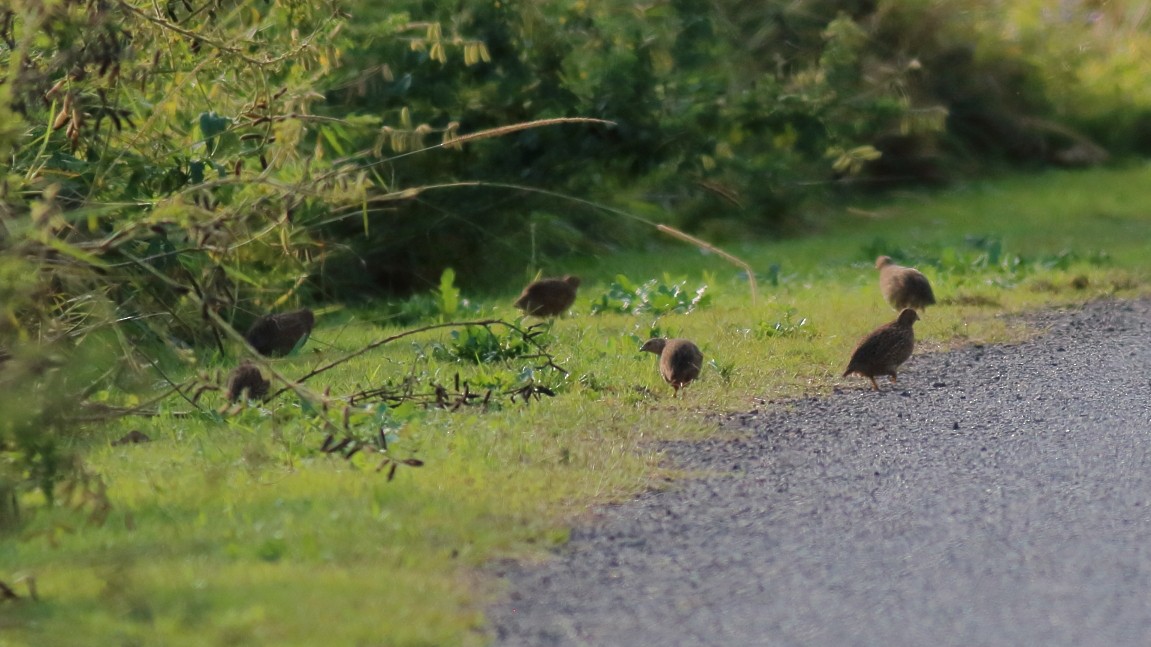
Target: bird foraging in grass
column 903, row 287
column 246, row 378
column 548, row 297
column 280, row 333
column 883, row 350
column 679, row 360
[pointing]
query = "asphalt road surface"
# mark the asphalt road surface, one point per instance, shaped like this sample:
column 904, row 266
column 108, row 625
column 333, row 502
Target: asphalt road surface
column 995, row 496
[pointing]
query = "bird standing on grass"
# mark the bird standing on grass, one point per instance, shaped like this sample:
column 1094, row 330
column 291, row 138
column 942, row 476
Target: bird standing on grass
column 548, row 297
column 679, row 360
column 278, row 334
column 883, row 350
column 246, row 378
column 903, row 287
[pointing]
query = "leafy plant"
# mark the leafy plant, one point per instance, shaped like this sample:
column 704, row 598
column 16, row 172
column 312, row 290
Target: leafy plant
column 788, row 325
column 725, row 370
column 650, row 297
column 482, row 345
column 449, row 294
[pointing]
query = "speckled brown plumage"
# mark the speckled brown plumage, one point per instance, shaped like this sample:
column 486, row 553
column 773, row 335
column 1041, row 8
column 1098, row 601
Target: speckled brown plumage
column 885, row 349
column 246, row 377
column 679, row 360
column 278, row 334
column 548, row 297
column 903, row 287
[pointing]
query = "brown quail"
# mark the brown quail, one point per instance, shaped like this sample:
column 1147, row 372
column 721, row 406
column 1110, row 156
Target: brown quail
column 883, row 350
column 278, row 334
column 548, row 297
column 246, row 377
column 903, row 287
column 679, row 360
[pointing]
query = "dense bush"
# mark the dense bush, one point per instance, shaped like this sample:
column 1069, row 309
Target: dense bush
column 159, row 178
column 728, row 116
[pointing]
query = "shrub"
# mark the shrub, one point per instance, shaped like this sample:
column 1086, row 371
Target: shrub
column 161, row 175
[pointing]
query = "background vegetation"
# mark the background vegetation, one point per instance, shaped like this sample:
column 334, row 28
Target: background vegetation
column 168, row 172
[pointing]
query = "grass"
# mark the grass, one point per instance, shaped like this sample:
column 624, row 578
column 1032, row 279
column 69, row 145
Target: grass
column 235, row 529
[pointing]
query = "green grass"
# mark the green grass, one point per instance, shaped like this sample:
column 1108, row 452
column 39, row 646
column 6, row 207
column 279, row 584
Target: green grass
column 237, row 530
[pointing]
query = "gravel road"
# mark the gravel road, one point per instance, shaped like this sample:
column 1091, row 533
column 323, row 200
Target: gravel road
column 998, row 495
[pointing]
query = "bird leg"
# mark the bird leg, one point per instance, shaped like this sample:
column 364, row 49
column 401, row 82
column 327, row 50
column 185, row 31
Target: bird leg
column 874, row 384
column 893, row 378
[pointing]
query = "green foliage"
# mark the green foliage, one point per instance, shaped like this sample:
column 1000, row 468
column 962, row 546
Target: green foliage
column 728, row 136
column 159, row 181
column 789, row 324
column 482, row 345
column 650, row 297
column 725, row 370
column 425, row 307
column 449, row 294
column 983, row 259
column 728, row 117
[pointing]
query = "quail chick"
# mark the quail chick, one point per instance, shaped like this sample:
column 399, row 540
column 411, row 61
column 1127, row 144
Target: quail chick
column 246, row 377
column 278, row 334
column 883, row 350
column 548, row 297
column 903, row 287
column 679, row 360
